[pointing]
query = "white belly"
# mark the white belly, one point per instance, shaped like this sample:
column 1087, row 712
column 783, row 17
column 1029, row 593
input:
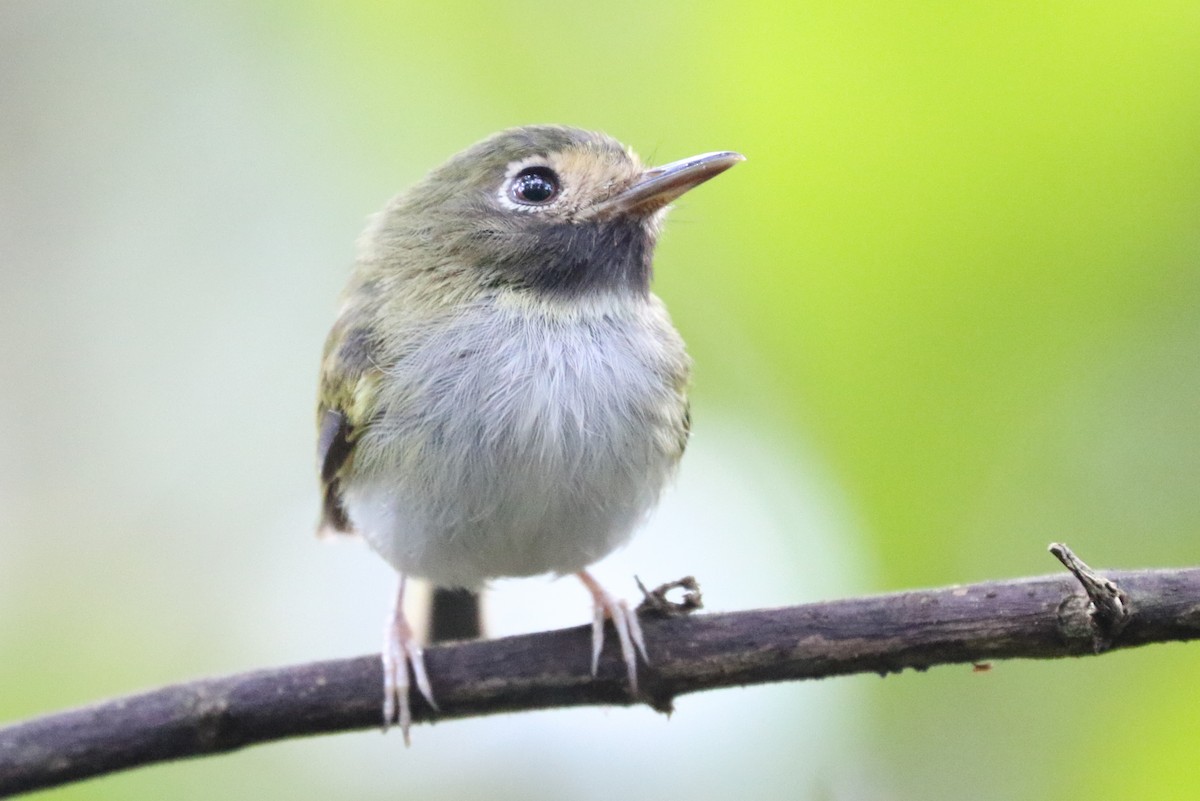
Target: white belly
column 514, row 444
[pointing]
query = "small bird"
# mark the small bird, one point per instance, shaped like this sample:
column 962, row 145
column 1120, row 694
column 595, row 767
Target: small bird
column 501, row 394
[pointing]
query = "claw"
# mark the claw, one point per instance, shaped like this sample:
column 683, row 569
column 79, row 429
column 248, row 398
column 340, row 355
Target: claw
column 625, row 622
column 400, row 650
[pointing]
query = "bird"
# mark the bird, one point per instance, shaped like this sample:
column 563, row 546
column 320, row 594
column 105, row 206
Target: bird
column 501, row 394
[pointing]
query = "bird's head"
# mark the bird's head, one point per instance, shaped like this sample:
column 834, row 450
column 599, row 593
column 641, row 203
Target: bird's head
column 555, row 211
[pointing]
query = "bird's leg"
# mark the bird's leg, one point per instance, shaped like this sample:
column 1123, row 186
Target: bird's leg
column 629, row 631
column 400, row 649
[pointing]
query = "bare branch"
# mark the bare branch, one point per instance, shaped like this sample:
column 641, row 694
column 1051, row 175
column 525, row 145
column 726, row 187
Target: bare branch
column 1038, row 618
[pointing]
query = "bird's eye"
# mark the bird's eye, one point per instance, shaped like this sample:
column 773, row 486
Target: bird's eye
column 534, row 186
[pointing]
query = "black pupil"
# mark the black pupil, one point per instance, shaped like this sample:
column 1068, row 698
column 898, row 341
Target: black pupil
column 535, row 185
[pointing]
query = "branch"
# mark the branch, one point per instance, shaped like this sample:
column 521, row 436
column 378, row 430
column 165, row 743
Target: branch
column 1036, row 618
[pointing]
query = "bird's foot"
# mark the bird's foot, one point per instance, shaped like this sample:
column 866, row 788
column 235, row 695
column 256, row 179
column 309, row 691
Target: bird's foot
column 400, row 650
column 625, row 621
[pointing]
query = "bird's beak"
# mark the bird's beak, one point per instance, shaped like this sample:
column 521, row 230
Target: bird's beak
column 658, row 186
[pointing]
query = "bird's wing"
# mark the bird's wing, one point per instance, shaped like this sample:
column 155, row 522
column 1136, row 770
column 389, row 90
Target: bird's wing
column 349, row 381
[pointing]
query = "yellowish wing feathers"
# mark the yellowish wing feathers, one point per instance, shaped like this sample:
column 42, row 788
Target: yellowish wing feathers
column 349, row 381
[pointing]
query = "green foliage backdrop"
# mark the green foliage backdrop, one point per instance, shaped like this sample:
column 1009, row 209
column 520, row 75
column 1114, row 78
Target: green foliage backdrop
column 960, row 270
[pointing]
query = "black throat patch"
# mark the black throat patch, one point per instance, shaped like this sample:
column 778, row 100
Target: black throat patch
column 572, row 259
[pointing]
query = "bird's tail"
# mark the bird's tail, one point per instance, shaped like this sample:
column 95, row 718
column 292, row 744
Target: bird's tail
column 454, row 615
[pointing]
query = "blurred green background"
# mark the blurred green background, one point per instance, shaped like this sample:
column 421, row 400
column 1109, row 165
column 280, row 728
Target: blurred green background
column 947, row 312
